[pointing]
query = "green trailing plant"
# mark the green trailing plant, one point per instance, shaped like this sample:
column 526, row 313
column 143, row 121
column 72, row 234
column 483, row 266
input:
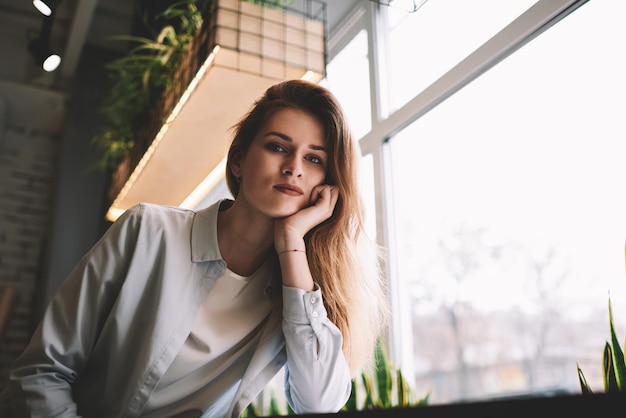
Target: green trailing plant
column 140, row 78
column 613, row 364
column 383, row 387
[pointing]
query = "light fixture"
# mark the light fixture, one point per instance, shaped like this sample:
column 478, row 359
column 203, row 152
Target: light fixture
column 48, row 60
column 46, row 7
column 40, row 49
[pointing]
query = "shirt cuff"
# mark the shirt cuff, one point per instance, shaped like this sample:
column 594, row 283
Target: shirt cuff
column 303, row 306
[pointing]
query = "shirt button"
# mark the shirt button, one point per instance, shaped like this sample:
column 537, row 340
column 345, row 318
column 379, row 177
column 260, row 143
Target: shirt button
column 313, row 300
column 314, row 314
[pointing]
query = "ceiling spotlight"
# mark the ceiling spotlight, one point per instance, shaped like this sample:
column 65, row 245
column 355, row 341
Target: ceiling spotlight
column 40, row 47
column 43, row 55
column 46, row 7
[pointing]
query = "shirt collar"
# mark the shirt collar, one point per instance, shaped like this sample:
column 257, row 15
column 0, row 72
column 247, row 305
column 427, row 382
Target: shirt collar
column 204, row 246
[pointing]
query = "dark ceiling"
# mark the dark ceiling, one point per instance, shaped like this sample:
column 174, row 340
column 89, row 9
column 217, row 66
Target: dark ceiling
column 76, row 24
column 37, row 99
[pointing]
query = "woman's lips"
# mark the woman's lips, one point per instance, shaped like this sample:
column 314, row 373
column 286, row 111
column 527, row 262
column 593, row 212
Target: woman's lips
column 289, row 189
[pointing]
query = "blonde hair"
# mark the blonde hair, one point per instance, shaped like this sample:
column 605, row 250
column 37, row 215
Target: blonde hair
column 337, row 249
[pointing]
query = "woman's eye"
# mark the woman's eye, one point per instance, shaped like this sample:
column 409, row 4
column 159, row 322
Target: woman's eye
column 315, row 159
column 275, row 147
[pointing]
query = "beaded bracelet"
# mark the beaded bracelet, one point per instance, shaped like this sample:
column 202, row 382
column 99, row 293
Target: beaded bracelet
column 292, row 251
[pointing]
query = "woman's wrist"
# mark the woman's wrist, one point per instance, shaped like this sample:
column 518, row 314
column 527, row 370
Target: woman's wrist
column 289, row 244
column 291, row 250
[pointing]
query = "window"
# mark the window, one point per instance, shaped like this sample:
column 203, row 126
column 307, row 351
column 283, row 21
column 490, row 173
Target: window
column 509, row 218
column 504, row 212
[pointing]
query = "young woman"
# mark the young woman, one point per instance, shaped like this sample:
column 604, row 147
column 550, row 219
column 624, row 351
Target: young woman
column 177, row 312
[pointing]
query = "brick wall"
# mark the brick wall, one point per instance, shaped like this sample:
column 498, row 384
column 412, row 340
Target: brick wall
column 28, row 162
column 52, row 201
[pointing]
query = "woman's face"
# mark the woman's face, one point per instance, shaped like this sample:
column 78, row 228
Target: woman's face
column 286, row 160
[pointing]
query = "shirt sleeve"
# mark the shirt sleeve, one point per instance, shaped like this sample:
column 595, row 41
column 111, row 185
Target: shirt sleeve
column 41, row 378
column 317, row 376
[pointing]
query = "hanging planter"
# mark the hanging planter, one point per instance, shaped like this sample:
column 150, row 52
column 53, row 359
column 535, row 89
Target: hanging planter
column 146, row 82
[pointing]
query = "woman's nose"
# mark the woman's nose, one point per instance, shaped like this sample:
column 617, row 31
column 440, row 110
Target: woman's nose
column 293, row 167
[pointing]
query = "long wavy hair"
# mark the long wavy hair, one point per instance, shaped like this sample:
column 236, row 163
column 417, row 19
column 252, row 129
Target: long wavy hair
column 344, row 262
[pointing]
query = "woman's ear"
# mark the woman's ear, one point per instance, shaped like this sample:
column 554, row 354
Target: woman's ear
column 235, row 165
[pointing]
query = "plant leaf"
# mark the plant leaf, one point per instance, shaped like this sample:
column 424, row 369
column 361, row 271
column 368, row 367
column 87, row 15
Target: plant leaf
column 370, row 402
column 618, row 355
column 383, row 376
column 608, row 370
column 401, row 389
column 274, row 409
column 584, row 386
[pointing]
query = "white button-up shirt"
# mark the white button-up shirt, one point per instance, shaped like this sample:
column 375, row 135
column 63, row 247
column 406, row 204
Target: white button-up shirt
column 124, row 312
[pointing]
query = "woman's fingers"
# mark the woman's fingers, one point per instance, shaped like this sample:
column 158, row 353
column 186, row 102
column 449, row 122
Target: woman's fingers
column 323, row 200
column 325, row 196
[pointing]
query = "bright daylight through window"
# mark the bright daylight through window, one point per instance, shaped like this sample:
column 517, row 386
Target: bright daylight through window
column 506, row 204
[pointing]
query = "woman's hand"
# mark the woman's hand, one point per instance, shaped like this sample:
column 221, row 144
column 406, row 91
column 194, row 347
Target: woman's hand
column 289, row 236
column 289, row 232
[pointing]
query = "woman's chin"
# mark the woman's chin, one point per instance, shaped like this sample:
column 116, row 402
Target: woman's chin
column 285, row 211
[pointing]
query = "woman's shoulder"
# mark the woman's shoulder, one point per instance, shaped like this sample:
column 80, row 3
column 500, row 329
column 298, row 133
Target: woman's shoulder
column 158, row 217
column 146, row 209
column 154, row 217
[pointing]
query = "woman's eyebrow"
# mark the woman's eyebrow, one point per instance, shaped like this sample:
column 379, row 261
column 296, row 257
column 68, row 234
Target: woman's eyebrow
column 289, row 139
